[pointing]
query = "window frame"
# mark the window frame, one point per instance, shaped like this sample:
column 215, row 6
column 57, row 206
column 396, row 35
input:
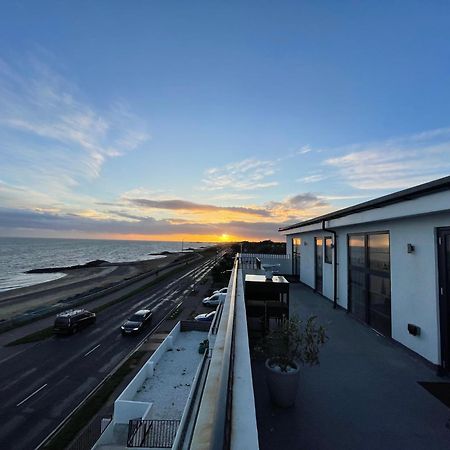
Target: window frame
column 366, row 271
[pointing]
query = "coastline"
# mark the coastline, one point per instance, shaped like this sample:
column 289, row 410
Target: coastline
column 76, row 282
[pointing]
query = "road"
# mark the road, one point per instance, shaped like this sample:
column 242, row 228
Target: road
column 42, row 383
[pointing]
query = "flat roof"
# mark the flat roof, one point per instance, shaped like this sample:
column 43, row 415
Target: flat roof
column 169, row 386
column 441, row 184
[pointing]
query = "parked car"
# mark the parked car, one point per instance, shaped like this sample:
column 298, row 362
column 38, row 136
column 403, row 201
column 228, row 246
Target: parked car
column 214, row 300
column 69, row 322
column 224, row 290
column 207, row 317
column 137, row 322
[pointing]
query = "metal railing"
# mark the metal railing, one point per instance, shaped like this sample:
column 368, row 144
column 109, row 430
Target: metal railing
column 256, row 261
column 152, row 433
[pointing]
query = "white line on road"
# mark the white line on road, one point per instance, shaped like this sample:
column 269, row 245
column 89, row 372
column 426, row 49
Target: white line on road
column 90, row 351
column 31, row 395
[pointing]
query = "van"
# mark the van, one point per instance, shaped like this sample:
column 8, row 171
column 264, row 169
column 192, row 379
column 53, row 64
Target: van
column 69, row 322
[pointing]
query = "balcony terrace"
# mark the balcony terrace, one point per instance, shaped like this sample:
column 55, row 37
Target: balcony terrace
column 365, row 394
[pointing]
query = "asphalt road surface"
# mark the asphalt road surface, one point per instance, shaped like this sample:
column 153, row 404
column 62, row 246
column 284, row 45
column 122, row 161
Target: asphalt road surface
column 43, row 382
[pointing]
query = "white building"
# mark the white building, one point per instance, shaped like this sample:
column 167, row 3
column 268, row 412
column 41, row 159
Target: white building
column 387, row 261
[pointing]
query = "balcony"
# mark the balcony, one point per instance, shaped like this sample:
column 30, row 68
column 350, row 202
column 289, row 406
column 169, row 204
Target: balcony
column 364, row 395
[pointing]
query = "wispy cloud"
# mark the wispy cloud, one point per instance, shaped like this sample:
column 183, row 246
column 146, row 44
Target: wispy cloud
column 52, row 137
column 245, row 175
column 396, row 163
column 305, row 149
column 312, row 178
column 298, row 207
column 183, row 205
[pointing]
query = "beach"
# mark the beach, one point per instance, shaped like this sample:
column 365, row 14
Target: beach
column 76, row 282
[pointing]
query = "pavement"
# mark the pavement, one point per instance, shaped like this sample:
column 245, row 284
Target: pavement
column 363, row 395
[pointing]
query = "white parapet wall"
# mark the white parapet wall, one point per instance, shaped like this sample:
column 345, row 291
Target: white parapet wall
column 125, row 407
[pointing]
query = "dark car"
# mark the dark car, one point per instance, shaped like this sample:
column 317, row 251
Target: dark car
column 69, row 322
column 137, row 322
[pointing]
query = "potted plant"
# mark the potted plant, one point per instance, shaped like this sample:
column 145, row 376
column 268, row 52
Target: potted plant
column 294, row 343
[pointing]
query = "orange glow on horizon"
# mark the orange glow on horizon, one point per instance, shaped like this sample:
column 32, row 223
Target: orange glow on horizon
column 213, row 238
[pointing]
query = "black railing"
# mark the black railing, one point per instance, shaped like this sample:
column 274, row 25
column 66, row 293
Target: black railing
column 152, row 433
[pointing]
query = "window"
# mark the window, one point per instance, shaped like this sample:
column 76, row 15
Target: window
column 378, row 245
column 369, row 278
column 319, row 264
column 356, row 251
column 328, row 250
column 296, row 247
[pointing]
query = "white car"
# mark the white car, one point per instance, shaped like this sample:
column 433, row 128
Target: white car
column 214, row 300
column 221, row 291
column 207, row 317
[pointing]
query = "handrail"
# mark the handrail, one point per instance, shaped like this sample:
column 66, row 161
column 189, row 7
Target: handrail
column 212, row 430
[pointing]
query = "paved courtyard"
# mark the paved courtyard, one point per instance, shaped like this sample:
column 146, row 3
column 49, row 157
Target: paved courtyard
column 364, row 395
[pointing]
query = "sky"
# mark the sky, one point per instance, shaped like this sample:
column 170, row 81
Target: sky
column 212, row 120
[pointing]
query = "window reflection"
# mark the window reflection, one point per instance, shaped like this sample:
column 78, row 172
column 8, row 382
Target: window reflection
column 369, row 280
column 379, row 252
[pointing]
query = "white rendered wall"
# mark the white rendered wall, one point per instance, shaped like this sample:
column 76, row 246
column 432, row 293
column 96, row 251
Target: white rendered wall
column 307, row 262
column 414, row 276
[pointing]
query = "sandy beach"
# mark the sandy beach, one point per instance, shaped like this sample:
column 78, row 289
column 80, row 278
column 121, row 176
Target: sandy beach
column 75, row 282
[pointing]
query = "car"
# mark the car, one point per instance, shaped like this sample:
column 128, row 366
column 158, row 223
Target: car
column 224, row 290
column 69, row 322
column 207, row 317
column 214, row 300
column 136, row 322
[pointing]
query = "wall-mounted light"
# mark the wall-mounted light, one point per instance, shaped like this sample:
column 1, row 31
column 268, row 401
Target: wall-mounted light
column 411, row 248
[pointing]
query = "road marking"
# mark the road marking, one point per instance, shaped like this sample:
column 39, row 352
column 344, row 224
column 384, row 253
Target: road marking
column 31, row 395
column 90, row 351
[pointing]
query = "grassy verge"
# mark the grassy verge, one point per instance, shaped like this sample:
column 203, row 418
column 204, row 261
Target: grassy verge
column 82, row 417
column 33, row 337
column 47, row 332
column 177, row 311
column 138, row 290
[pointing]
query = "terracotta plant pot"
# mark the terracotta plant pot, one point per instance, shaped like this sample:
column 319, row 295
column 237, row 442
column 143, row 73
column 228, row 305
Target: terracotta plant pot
column 282, row 385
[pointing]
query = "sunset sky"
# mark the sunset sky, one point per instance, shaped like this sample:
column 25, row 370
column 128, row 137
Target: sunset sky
column 210, row 120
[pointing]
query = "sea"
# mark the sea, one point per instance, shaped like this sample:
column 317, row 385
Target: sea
column 17, row 255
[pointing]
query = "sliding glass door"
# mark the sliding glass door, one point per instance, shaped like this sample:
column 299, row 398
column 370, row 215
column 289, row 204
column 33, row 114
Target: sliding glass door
column 369, row 280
